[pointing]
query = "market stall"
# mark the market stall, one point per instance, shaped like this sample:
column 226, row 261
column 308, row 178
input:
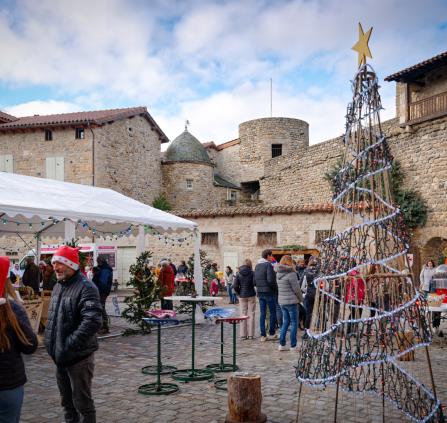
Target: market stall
column 62, row 210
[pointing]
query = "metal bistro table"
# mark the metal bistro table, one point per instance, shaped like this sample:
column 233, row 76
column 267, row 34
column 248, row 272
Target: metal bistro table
column 192, row 374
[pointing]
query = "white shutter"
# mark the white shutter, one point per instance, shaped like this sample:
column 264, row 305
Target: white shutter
column 55, row 168
column 50, row 168
column 59, row 168
column 6, row 163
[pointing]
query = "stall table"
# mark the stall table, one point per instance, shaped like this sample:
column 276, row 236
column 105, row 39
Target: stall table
column 192, row 374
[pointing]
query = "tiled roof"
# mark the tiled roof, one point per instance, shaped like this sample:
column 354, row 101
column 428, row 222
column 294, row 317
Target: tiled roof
column 246, row 210
column 4, row 117
column 228, row 144
column 98, row 117
column 222, row 182
column 419, row 68
column 209, row 144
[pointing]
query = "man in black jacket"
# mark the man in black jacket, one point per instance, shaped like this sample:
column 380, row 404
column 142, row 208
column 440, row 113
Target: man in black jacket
column 74, row 317
column 103, row 280
column 267, row 291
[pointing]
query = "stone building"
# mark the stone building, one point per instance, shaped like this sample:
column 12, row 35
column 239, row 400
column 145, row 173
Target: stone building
column 117, row 149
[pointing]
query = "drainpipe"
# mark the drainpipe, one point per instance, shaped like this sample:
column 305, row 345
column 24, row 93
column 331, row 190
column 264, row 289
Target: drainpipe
column 93, row 152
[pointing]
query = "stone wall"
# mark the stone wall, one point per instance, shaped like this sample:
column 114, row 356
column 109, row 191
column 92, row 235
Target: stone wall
column 30, row 150
column 127, row 158
column 298, row 178
column 239, row 234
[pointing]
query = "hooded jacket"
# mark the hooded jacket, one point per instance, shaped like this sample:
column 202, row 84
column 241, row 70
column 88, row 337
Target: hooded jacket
column 74, row 317
column 244, row 282
column 289, row 291
column 308, row 280
column 103, row 279
column 265, row 278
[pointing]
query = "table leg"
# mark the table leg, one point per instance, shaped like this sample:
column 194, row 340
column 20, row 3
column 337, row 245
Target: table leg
column 193, row 335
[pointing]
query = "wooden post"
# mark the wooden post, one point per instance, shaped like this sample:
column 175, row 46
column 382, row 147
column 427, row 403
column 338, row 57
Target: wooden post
column 244, row 399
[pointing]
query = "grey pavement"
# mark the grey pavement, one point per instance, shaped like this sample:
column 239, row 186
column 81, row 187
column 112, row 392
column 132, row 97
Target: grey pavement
column 118, row 374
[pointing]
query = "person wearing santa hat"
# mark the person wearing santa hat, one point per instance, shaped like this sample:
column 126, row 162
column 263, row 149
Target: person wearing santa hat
column 74, row 317
column 16, row 337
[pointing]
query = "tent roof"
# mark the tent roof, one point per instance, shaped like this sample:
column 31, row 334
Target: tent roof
column 31, row 200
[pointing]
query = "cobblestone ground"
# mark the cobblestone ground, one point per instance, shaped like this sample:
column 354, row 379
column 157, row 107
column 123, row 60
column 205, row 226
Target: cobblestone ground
column 118, row 375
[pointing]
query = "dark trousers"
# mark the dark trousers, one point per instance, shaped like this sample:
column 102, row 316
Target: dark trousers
column 167, row 305
column 105, row 317
column 309, row 306
column 267, row 300
column 75, row 387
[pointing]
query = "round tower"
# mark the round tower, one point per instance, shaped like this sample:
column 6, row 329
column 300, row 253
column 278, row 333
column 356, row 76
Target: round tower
column 267, row 138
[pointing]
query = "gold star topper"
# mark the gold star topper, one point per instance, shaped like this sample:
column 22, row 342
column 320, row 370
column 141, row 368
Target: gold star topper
column 361, row 47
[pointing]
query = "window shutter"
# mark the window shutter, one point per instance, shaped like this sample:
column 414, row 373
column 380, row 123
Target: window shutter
column 60, row 168
column 6, row 163
column 55, row 168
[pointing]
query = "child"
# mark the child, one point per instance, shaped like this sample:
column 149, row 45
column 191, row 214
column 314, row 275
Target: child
column 214, row 288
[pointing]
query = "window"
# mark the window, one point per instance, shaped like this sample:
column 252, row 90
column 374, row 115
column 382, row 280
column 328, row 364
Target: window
column 232, row 195
column 267, row 239
column 210, row 238
column 189, row 184
column 55, row 168
column 321, row 235
column 6, row 163
column 79, row 133
column 276, row 150
column 48, row 134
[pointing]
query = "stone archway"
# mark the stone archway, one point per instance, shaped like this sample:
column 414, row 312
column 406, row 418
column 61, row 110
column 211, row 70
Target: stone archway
column 433, row 249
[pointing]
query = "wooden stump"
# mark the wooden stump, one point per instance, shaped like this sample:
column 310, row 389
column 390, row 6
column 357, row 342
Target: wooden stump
column 405, row 340
column 244, row 399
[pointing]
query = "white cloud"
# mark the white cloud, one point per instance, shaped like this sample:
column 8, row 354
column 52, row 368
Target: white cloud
column 210, row 61
column 39, row 107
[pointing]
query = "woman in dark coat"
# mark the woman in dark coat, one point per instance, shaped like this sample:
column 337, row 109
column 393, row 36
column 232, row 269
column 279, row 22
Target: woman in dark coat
column 245, row 289
column 16, row 337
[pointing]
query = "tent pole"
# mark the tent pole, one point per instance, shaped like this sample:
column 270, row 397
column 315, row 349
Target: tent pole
column 69, row 230
column 140, row 240
column 198, row 276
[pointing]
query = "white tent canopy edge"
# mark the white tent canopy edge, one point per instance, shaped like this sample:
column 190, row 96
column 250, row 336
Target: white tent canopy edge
column 30, row 200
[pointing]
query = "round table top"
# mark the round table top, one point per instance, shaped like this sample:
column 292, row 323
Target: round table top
column 187, row 298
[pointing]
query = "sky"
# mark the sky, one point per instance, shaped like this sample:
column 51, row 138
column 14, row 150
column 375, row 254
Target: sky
column 209, row 62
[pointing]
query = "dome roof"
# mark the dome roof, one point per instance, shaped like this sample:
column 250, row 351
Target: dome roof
column 187, row 148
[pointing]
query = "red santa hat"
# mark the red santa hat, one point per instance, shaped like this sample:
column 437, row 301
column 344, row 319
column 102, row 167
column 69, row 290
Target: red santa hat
column 68, row 256
column 4, row 273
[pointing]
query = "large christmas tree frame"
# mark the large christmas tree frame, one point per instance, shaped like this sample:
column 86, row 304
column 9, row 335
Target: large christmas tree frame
column 368, row 313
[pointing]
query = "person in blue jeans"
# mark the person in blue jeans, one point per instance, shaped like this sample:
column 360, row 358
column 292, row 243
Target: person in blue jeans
column 289, row 295
column 267, row 292
column 16, row 337
column 229, row 281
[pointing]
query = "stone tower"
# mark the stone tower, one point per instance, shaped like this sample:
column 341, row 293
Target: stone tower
column 188, row 174
column 262, row 140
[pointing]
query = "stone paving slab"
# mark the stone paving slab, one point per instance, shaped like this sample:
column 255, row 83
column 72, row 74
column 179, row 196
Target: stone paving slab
column 118, row 374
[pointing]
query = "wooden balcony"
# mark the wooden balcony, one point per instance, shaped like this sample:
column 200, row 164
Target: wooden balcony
column 427, row 108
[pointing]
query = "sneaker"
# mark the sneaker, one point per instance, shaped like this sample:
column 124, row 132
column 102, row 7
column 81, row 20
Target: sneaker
column 273, row 337
column 249, row 338
column 263, row 338
column 243, row 338
column 283, row 348
column 294, row 349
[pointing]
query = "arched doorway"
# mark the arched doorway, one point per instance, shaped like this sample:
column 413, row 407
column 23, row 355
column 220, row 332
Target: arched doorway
column 434, row 249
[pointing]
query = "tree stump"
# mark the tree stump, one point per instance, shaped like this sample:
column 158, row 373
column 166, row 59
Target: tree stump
column 244, row 399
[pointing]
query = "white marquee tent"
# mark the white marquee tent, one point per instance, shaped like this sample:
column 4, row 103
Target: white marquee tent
column 38, row 206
